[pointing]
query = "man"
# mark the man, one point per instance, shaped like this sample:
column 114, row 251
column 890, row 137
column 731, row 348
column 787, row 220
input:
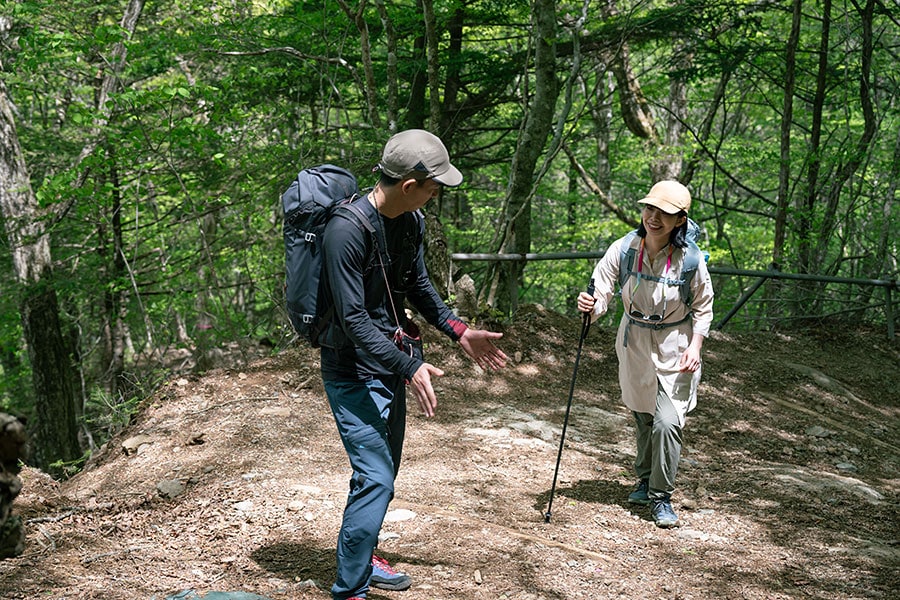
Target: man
column 364, row 371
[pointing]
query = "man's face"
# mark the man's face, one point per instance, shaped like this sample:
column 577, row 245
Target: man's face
column 417, row 193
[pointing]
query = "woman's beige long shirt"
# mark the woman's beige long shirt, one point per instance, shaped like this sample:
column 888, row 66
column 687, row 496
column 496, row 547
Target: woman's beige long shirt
column 652, row 355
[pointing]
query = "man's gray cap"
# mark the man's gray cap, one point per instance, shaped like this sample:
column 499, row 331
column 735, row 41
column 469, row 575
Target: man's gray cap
column 418, row 151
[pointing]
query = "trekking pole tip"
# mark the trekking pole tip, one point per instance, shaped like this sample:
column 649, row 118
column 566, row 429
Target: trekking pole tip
column 547, row 517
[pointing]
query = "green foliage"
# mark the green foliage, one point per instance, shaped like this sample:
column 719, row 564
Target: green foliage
column 62, row 469
column 170, row 225
column 107, row 415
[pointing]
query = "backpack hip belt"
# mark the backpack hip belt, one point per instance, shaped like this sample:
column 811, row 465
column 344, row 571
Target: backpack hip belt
column 654, row 326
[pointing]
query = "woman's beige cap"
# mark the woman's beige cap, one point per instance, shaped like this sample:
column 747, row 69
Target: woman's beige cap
column 418, row 151
column 669, row 196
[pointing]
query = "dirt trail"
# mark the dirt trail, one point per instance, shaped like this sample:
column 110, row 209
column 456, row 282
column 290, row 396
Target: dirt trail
column 788, row 486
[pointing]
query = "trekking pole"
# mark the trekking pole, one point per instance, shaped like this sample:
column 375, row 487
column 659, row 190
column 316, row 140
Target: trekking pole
column 585, row 326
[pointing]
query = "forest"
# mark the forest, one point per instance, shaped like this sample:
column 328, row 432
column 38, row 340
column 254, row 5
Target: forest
column 146, row 146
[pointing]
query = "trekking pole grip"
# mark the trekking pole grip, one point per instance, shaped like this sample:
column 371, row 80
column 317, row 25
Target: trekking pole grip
column 586, row 323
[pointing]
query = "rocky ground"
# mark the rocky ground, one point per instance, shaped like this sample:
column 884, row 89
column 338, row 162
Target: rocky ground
column 235, row 480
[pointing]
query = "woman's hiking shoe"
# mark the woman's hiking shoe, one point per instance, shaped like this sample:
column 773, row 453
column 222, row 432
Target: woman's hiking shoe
column 662, row 512
column 640, row 493
column 385, row 577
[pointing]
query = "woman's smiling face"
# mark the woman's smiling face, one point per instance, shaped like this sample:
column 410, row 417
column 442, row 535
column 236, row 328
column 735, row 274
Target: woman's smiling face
column 659, row 223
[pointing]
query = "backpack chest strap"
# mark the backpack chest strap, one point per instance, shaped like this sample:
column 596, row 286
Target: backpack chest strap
column 665, row 280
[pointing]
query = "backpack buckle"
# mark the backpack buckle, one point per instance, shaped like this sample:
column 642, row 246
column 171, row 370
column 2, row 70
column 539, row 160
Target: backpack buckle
column 310, row 237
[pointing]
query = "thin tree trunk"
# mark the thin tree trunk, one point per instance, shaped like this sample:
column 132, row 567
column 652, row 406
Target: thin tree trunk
column 855, row 159
column 366, row 58
column 50, row 352
column 393, row 77
column 516, row 228
column 113, row 296
column 601, row 112
column 808, row 209
column 431, row 57
column 703, row 134
column 668, row 163
column 632, row 102
column 415, row 107
column 452, row 82
column 787, row 117
column 773, row 289
column 108, row 84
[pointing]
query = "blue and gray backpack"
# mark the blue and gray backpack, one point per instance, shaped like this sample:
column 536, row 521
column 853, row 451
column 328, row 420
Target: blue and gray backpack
column 692, row 257
column 309, row 203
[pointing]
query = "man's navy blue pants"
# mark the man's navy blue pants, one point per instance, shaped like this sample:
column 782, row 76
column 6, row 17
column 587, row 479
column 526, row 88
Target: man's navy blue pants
column 371, row 420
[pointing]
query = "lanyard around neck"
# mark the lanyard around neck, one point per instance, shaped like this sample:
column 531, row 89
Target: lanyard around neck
column 640, row 264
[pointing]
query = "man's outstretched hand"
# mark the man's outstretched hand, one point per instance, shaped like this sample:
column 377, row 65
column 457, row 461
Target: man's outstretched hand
column 479, row 344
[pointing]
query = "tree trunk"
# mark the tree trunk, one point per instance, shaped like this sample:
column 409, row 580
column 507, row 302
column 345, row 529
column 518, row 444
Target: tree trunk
column 366, row 57
column 773, row 289
column 668, row 163
column 393, row 78
column 857, row 155
column 55, row 427
column 431, row 57
column 452, row 81
column 113, row 301
column 601, row 113
column 808, row 208
column 415, row 107
column 515, row 234
column 634, row 106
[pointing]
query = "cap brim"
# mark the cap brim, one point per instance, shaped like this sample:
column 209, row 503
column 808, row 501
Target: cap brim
column 663, row 205
column 451, row 177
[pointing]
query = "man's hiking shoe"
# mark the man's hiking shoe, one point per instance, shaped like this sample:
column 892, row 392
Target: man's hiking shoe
column 662, row 512
column 639, row 495
column 386, row 578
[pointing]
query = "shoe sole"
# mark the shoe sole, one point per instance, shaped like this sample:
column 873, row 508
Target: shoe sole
column 667, row 524
column 395, row 586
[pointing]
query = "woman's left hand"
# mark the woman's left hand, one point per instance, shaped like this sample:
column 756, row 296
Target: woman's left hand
column 690, row 360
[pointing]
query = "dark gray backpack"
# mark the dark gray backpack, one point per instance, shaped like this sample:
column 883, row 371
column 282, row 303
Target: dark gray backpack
column 308, row 204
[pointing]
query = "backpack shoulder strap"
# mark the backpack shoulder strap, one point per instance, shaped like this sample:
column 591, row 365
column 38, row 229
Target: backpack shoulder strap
column 627, row 258
column 692, row 256
column 357, row 211
column 351, row 207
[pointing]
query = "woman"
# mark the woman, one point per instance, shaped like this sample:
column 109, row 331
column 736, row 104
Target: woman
column 659, row 339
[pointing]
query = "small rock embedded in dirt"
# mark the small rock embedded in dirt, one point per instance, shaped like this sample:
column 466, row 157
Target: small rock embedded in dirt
column 818, row 431
column 399, row 515
column 386, row 536
column 133, row 444
column 195, row 439
column 170, row 488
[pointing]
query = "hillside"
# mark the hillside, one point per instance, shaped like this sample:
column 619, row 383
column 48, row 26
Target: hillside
column 235, row 480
